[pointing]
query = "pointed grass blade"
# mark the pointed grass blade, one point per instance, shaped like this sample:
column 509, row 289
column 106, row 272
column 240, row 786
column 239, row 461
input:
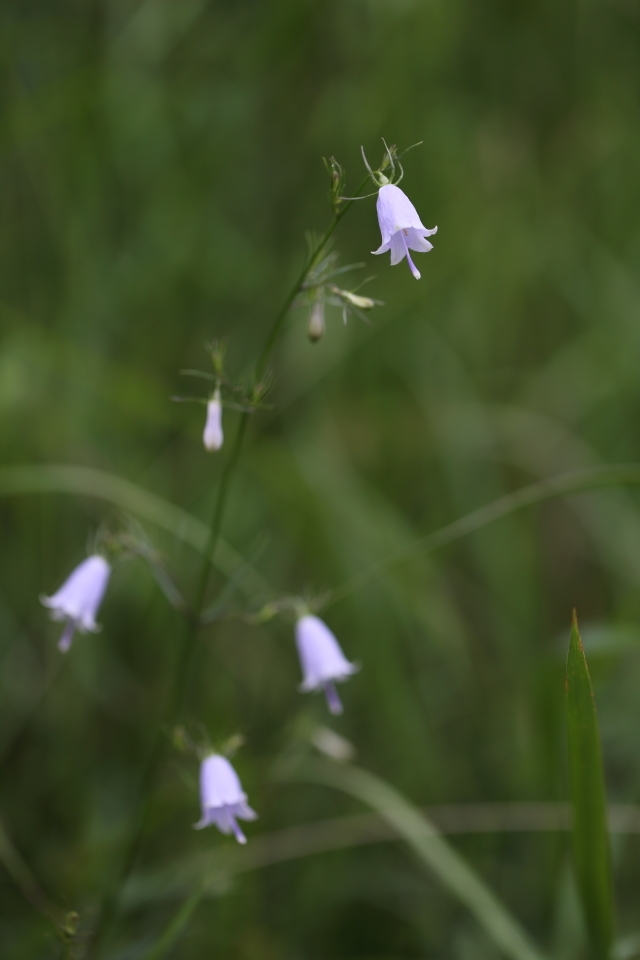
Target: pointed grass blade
column 592, row 861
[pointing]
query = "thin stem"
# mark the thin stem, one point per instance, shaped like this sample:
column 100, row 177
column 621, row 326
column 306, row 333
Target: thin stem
column 192, row 621
column 176, row 925
column 26, row 882
column 174, row 708
column 274, row 333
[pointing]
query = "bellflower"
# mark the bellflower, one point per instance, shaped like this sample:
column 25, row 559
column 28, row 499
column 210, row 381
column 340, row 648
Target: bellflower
column 213, row 435
column 401, row 227
column 222, row 797
column 78, row 599
column 322, row 660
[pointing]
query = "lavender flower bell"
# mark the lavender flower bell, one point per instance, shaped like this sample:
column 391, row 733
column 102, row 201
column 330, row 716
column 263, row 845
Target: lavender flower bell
column 222, row 797
column 78, row 599
column 322, row 660
column 401, row 227
column 213, row 436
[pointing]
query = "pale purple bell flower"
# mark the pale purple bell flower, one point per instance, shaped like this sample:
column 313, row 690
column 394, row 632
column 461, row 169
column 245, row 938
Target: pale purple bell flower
column 222, row 797
column 78, row 599
column 401, row 227
column 213, row 436
column 322, row 661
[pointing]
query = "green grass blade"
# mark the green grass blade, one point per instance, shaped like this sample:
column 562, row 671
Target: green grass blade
column 434, row 851
column 128, row 496
column 590, row 837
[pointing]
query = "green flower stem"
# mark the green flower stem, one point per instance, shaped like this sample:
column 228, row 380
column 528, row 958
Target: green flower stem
column 192, row 621
column 176, row 925
column 312, row 259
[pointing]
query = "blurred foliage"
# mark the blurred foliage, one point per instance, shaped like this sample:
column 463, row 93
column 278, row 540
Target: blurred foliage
column 160, row 162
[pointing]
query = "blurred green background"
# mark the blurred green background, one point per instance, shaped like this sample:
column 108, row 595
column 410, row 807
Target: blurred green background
column 160, row 162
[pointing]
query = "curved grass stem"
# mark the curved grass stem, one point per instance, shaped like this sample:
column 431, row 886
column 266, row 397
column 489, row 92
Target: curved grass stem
column 431, row 848
column 577, row 481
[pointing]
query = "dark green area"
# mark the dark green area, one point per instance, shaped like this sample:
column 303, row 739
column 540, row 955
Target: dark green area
column 160, row 162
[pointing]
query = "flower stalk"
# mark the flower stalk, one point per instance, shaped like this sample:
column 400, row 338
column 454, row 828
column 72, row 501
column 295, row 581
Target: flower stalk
column 192, row 619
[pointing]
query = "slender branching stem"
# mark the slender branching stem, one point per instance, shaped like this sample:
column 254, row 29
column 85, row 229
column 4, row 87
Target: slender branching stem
column 192, row 620
column 312, row 259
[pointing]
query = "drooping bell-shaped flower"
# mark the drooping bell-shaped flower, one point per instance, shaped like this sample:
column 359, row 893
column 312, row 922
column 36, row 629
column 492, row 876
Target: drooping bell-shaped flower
column 401, row 227
column 78, row 599
column 222, row 798
column 322, row 661
column 213, row 436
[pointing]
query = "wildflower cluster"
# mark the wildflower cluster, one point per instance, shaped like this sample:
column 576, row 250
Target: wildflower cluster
column 323, row 664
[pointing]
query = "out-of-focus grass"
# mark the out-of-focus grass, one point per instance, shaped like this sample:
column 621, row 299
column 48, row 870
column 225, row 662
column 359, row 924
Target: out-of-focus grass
column 159, row 163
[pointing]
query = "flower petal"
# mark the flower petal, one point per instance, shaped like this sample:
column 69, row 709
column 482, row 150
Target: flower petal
column 395, row 211
column 398, row 248
column 81, row 594
column 382, row 249
column 321, row 657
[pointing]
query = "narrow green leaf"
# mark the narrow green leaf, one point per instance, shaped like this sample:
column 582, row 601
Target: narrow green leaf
column 128, row 496
column 590, row 836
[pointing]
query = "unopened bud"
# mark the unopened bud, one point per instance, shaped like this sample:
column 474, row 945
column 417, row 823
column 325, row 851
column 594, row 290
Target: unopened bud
column 316, row 328
column 213, row 436
column 363, row 303
column 330, row 743
column 71, row 922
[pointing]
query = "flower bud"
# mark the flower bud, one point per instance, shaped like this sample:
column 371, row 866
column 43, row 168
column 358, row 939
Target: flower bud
column 332, row 744
column 316, row 328
column 213, row 435
column 364, row 303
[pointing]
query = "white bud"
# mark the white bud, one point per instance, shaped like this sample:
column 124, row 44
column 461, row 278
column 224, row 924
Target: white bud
column 332, row 744
column 316, row 328
column 213, row 435
column 364, row 303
